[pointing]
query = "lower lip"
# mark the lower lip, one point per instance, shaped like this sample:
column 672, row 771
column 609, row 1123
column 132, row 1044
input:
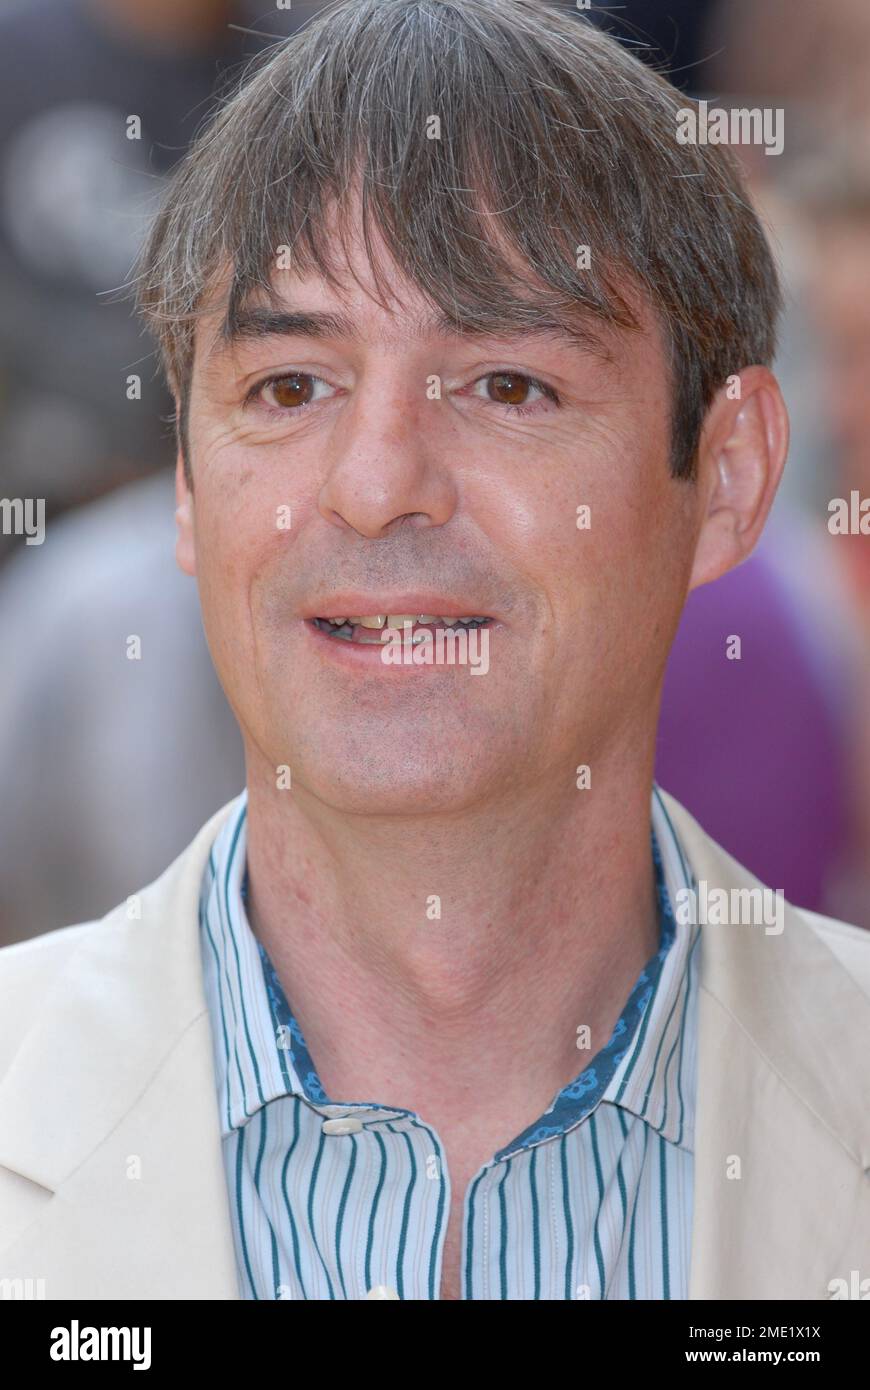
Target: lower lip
column 370, row 654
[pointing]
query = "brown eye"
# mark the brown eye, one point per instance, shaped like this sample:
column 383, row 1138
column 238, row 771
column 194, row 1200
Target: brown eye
column 292, row 390
column 509, row 388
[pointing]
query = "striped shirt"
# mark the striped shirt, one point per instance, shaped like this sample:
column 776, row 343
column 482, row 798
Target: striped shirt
column 350, row 1200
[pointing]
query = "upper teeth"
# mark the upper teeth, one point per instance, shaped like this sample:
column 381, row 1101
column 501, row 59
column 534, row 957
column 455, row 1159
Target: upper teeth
column 380, row 620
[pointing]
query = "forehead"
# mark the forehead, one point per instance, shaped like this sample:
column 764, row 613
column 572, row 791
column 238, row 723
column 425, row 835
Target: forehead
column 310, row 311
column 391, row 331
column 373, row 304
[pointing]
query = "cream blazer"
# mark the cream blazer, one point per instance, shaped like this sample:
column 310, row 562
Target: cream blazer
column 111, row 1174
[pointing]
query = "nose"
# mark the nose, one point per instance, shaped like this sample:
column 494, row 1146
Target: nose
column 388, row 464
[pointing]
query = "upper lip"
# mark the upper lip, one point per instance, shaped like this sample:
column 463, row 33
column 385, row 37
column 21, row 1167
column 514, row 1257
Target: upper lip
column 348, row 605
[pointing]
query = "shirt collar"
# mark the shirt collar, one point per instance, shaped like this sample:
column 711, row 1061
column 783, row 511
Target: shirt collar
column 656, row 1077
column 647, row 1067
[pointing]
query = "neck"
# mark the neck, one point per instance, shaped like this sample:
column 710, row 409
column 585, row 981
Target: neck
column 547, row 916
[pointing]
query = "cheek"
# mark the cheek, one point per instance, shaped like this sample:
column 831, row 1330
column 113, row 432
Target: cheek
column 591, row 528
column 238, row 537
column 618, row 579
column 243, row 511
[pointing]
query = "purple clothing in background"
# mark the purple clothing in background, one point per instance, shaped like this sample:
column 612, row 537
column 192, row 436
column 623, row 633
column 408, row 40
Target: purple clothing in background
column 756, row 748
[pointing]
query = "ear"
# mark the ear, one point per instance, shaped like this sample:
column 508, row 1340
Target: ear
column 185, row 544
column 743, row 448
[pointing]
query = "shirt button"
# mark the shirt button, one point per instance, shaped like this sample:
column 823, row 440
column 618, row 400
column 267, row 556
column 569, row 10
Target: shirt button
column 381, row 1291
column 349, row 1125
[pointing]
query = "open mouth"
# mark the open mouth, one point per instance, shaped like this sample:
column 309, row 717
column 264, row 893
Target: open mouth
column 375, row 629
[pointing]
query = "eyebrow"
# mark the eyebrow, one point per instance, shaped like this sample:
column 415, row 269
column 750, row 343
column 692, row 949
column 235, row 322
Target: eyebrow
column 257, row 323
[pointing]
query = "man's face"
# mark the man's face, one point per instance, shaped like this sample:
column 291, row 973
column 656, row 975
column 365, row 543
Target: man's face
column 403, row 502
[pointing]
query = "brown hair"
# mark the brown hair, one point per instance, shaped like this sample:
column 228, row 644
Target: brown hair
column 549, row 128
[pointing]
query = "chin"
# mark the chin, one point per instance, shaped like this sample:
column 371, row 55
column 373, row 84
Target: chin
column 374, row 782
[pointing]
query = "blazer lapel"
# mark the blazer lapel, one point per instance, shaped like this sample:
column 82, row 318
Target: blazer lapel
column 121, row 1150
column 782, row 1137
column 111, row 1138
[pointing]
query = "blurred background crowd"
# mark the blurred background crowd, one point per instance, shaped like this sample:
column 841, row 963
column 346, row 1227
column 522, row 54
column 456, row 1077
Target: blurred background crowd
column 109, row 766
